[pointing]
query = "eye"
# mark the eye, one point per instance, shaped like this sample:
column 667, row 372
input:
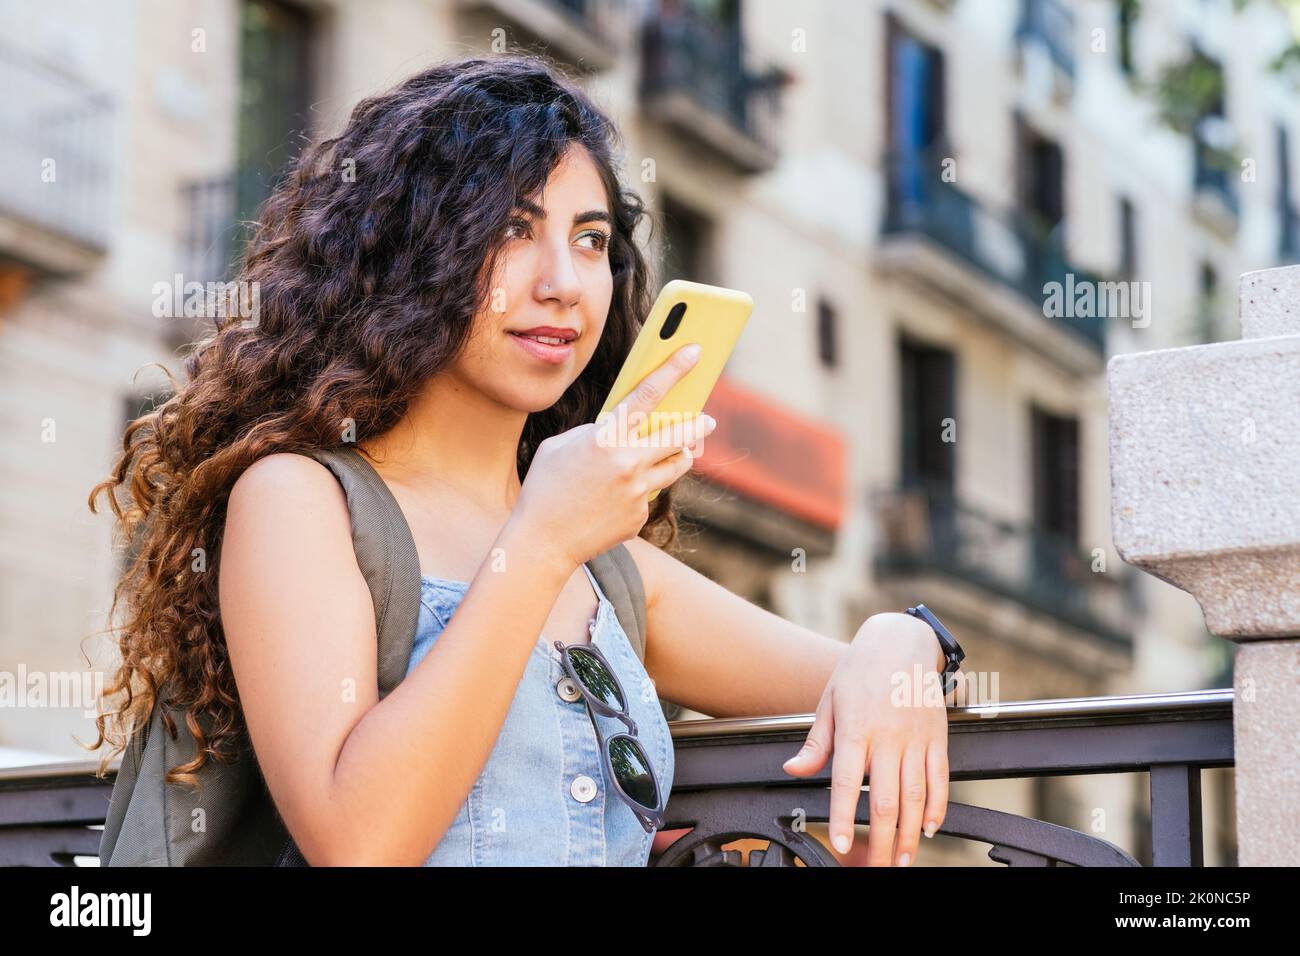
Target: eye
column 513, row 224
column 600, row 236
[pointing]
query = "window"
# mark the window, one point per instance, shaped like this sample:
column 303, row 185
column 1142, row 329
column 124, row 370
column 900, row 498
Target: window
column 274, row 96
column 927, row 375
column 687, row 238
column 1128, row 14
column 1287, row 220
column 1211, row 133
column 914, row 84
column 826, row 334
column 1207, row 303
column 1042, row 178
column 1056, row 478
column 1127, row 240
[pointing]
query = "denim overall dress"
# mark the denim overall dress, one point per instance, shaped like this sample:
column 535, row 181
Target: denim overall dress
column 542, row 798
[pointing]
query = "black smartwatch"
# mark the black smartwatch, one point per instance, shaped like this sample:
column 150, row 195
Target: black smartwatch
column 951, row 649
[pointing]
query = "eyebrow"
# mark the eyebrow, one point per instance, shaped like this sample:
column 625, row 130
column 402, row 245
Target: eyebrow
column 537, row 212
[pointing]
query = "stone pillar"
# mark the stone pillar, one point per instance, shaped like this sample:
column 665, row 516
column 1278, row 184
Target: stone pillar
column 1205, row 494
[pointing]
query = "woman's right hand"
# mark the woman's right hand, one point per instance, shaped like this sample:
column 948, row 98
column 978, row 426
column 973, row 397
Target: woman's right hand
column 585, row 493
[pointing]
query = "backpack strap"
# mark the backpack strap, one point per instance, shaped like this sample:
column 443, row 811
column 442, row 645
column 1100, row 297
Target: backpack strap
column 386, row 555
column 620, row 579
column 389, row 561
column 622, row 583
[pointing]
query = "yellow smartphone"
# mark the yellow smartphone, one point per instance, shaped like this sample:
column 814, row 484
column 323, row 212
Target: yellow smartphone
column 684, row 313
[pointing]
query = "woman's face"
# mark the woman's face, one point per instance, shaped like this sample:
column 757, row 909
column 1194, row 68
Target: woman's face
column 551, row 294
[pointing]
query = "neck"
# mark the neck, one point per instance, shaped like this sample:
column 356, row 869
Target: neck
column 453, row 438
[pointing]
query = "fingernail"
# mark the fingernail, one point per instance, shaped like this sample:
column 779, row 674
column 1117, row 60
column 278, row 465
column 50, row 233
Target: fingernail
column 708, row 422
column 691, row 353
column 841, row 842
column 930, row 828
column 904, row 859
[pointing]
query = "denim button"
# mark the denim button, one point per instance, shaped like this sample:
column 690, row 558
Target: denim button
column 583, row 788
column 568, row 690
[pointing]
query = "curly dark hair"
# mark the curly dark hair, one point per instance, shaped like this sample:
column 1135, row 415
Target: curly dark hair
column 362, row 285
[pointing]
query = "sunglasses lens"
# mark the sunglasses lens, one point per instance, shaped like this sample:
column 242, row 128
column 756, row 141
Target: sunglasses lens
column 632, row 770
column 599, row 681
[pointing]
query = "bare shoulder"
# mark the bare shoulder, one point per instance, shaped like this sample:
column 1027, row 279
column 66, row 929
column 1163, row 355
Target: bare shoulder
column 282, row 487
column 286, row 474
column 287, row 516
column 655, row 564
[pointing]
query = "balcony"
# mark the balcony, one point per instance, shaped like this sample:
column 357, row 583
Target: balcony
column 699, row 79
column 580, row 33
column 730, row 791
column 931, row 532
column 55, row 175
column 767, row 475
column 996, row 264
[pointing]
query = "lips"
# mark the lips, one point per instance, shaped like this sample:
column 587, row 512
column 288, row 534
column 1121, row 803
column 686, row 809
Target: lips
column 546, row 343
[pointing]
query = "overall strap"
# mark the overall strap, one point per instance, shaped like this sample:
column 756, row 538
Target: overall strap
column 386, row 555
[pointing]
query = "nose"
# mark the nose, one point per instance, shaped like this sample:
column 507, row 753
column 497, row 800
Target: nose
column 557, row 279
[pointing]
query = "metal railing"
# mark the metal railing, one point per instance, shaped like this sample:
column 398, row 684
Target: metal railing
column 728, row 785
column 927, row 529
column 55, row 148
column 211, row 234
column 1003, row 246
column 1051, row 23
column 708, row 61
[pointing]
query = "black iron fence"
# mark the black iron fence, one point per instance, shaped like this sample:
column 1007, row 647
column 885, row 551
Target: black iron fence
column 729, row 785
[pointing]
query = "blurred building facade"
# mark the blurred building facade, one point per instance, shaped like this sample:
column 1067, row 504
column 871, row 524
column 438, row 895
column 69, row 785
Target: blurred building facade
column 909, row 416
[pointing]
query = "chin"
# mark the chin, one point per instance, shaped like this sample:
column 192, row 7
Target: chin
column 534, row 400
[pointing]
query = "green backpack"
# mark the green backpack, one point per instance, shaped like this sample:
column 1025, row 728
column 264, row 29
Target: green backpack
column 231, row 820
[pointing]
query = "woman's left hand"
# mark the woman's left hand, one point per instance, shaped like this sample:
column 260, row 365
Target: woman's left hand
column 874, row 718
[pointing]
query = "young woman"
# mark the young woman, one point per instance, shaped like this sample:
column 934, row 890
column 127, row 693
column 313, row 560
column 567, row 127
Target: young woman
column 453, row 283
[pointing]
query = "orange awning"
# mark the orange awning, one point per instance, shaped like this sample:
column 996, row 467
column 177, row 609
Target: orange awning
column 767, row 452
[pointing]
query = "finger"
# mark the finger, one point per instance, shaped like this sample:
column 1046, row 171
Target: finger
column 666, row 472
column 847, row 767
column 936, row 782
column 817, row 745
column 911, row 805
column 671, row 438
column 650, row 391
column 883, row 800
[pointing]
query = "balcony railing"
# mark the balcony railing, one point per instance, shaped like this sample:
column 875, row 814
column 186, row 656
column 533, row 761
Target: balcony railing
column 1051, row 23
column 1005, row 247
column 209, row 237
column 699, row 75
column 584, row 33
column 924, row 530
column 55, row 140
column 729, row 786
